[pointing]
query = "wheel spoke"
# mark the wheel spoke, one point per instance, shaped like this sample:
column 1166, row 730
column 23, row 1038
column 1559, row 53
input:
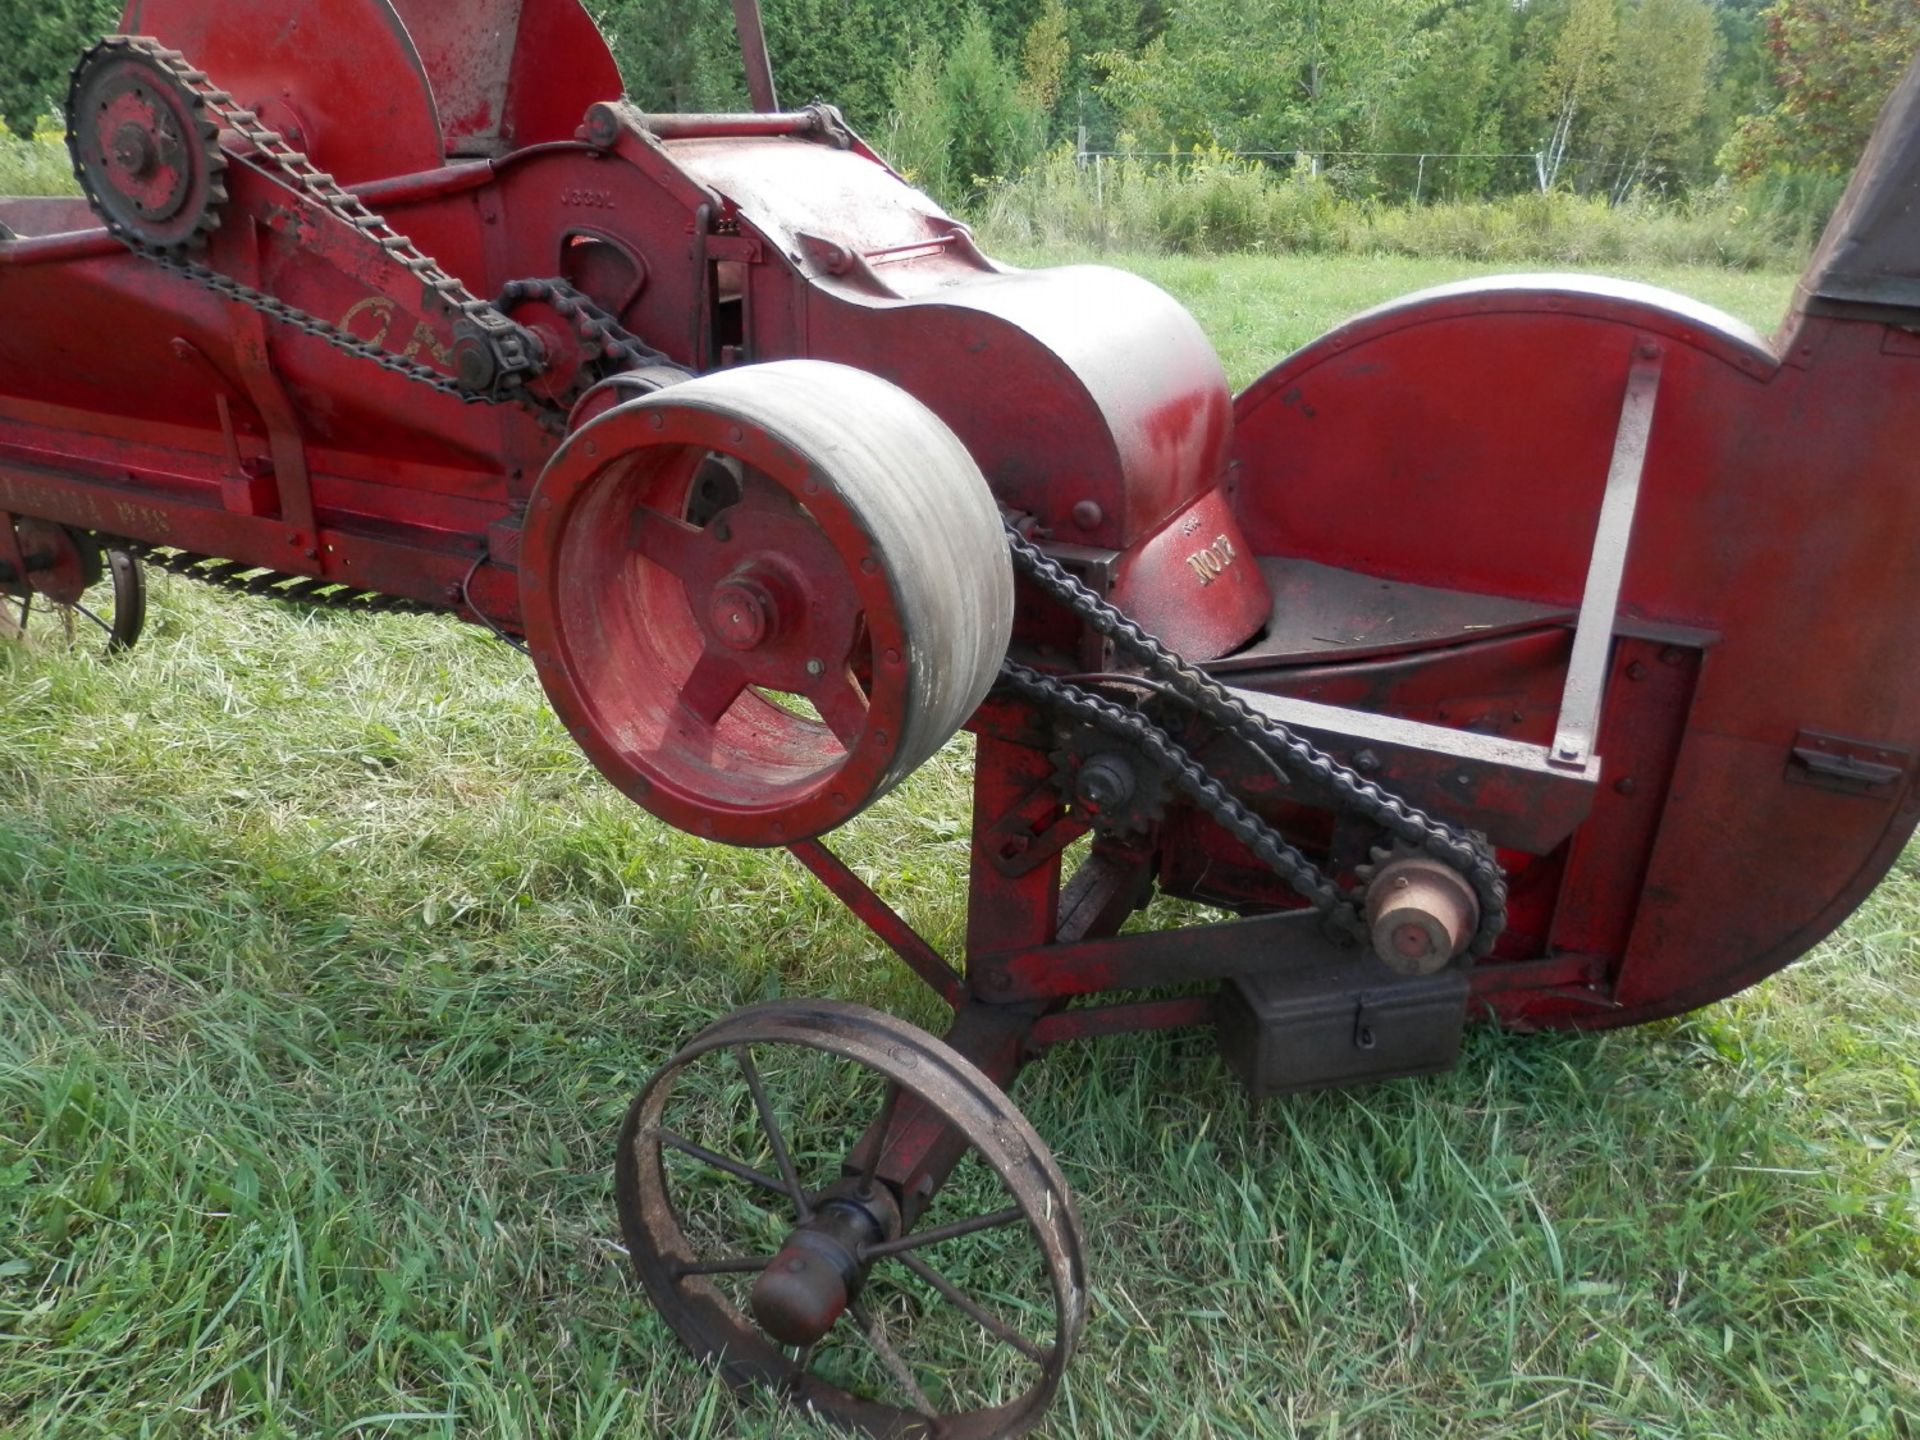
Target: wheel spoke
column 663, row 539
column 775, row 1140
column 842, row 704
column 732, row 1265
column 938, row 1233
column 716, row 682
column 971, row 1308
column 104, row 626
column 875, row 1331
column 726, row 1163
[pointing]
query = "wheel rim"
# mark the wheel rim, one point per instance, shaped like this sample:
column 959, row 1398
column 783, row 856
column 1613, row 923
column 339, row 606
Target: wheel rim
column 760, row 670
column 82, row 598
column 961, row 1328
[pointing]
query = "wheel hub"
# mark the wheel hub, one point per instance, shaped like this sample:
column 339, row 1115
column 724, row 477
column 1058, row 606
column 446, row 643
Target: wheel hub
column 819, row 1271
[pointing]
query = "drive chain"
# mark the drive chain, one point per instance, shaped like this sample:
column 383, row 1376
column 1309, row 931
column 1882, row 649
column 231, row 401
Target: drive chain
column 1468, row 854
column 600, row 333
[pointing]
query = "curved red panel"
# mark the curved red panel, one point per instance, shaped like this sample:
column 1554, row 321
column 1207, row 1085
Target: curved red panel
column 340, row 78
column 1461, row 439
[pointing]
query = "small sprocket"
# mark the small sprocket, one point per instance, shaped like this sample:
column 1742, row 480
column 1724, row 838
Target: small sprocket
column 144, row 148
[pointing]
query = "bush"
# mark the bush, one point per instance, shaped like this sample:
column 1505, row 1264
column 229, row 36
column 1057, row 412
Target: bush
column 35, row 166
column 1213, row 203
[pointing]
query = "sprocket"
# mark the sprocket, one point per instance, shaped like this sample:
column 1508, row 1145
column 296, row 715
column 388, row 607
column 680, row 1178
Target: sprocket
column 144, row 147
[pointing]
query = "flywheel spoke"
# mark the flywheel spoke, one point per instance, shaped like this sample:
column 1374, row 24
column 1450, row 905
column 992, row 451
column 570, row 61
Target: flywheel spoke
column 919, row 1238
column 665, row 540
column 104, row 627
column 716, row 682
column 725, row 1163
column 842, row 704
column 730, row 1265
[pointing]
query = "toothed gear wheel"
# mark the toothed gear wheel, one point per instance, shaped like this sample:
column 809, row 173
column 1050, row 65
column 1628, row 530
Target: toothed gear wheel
column 1420, row 913
column 1115, row 788
column 144, row 148
column 1381, row 856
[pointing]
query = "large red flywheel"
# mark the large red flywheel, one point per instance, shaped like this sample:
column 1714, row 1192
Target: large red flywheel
column 761, row 598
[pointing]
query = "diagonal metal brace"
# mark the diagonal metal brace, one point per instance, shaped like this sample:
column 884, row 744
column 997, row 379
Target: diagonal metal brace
column 1574, row 740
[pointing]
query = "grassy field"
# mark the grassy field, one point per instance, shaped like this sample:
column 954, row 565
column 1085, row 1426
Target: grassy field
column 329, row 969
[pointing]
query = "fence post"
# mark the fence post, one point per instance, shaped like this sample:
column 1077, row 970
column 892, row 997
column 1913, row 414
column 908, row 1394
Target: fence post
column 1420, row 180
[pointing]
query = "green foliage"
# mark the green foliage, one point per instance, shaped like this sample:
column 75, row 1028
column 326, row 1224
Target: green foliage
column 965, row 119
column 673, row 56
column 1273, row 74
column 1211, row 203
column 1834, row 63
column 38, row 165
column 39, row 43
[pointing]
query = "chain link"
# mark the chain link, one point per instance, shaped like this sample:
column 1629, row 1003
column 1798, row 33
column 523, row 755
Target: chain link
column 1465, row 853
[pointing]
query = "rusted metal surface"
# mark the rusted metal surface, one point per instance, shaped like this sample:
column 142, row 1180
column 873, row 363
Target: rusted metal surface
column 841, row 1231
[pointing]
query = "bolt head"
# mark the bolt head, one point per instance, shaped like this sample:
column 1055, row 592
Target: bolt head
column 740, row 615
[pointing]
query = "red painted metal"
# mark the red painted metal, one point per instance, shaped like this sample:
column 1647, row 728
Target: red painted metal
column 664, row 693
column 1383, row 542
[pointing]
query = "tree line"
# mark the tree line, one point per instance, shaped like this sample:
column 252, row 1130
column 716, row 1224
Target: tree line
column 1400, row 99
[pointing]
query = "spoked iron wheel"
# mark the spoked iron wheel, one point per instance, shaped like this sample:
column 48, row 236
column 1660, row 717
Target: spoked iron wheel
column 75, row 596
column 756, row 1210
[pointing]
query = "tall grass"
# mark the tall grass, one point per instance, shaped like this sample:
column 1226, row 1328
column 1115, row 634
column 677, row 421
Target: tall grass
column 1215, row 203
column 35, row 165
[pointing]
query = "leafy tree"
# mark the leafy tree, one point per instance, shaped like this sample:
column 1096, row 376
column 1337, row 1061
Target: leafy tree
column 672, row 56
column 1271, row 74
column 1577, row 77
column 40, row 42
column 1665, row 58
column 1456, row 103
column 1835, row 62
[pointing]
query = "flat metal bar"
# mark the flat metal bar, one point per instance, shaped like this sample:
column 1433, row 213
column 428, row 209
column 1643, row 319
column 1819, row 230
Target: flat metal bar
column 1504, row 787
column 1586, row 687
column 1128, row 1018
column 753, row 50
column 1152, row 958
column 880, row 917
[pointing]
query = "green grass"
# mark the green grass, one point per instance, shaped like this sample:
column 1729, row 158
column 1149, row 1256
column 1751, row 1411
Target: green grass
column 36, row 166
column 330, row 968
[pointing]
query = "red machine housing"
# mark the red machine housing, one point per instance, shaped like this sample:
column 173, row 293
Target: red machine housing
column 1577, row 567
column 1398, row 521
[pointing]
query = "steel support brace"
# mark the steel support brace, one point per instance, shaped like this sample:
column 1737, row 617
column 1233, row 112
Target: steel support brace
column 882, row 919
column 1579, row 726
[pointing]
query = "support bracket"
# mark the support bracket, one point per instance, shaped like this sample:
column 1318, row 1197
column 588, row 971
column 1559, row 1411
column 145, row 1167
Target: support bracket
column 1574, row 739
